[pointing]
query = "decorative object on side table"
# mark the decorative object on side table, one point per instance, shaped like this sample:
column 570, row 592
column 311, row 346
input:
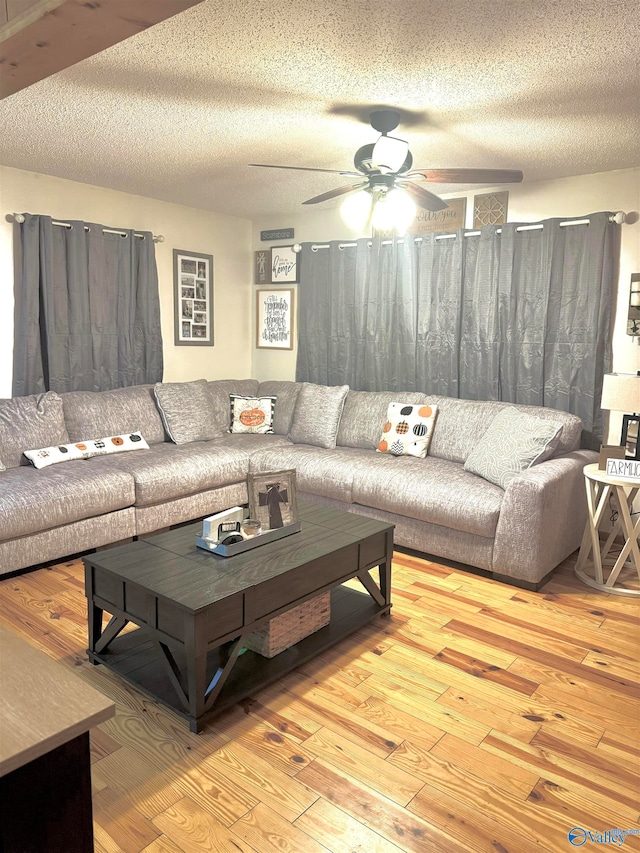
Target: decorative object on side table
column 193, row 298
column 273, row 499
column 621, row 393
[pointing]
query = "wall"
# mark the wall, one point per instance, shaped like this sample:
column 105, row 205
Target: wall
column 226, row 238
column 528, row 202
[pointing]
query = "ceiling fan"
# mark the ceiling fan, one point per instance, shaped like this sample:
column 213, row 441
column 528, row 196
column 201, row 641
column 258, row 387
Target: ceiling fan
column 387, row 165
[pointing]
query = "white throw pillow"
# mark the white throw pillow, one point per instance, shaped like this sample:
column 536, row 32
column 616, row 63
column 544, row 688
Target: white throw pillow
column 46, row 456
column 252, row 414
column 408, row 429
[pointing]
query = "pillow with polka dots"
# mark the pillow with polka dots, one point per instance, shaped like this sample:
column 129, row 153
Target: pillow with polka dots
column 408, row 429
column 85, row 449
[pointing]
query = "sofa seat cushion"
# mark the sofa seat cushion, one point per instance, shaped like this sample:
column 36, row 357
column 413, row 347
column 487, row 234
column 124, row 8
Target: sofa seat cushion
column 433, row 490
column 33, row 500
column 328, row 473
column 168, row 471
column 251, row 442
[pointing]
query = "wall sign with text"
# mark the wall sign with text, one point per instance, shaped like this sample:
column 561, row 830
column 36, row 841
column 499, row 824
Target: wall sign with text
column 284, row 265
column 275, row 311
column 452, row 218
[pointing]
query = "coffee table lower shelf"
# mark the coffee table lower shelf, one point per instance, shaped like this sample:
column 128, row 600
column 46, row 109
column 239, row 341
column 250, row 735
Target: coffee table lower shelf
column 134, row 657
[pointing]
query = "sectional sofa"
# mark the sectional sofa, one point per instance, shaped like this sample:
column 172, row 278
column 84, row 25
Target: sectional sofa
column 186, row 464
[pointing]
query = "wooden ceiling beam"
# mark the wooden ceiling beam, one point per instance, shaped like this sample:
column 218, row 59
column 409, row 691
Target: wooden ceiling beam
column 41, row 37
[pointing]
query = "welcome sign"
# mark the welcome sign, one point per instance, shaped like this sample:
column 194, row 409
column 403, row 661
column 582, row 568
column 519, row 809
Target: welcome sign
column 624, row 469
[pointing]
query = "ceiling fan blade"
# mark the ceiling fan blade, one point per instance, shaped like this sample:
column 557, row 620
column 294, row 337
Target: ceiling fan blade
column 307, row 169
column 469, row 176
column 334, row 193
column 424, row 198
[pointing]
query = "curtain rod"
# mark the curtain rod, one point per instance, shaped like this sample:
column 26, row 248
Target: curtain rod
column 157, row 238
column 618, row 218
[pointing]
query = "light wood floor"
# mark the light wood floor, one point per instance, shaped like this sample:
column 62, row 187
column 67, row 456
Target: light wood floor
column 479, row 718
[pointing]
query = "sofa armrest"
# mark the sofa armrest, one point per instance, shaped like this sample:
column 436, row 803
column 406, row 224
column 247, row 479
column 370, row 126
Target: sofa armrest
column 542, row 517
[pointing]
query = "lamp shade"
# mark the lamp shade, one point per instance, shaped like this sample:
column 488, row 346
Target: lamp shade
column 621, row 392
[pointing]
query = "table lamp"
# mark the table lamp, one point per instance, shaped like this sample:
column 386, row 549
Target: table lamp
column 621, row 393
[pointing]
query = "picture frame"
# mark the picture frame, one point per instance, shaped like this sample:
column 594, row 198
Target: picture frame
column 262, row 266
column 446, row 221
column 284, row 265
column 192, row 298
column 273, row 498
column 630, row 436
column 275, row 318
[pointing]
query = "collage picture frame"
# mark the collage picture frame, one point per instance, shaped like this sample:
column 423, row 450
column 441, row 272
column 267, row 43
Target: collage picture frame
column 193, row 298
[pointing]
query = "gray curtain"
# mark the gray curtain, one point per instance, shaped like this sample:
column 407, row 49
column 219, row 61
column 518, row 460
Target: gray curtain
column 87, row 315
column 514, row 313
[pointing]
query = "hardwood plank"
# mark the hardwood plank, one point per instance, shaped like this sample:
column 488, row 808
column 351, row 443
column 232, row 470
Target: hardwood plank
column 629, row 670
column 125, row 771
column 587, row 813
column 285, row 795
column 127, row 828
column 192, row 828
column 340, row 832
column 490, row 672
column 374, row 810
column 267, row 831
column 485, row 711
column 588, row 778
column 403, row 725
column 378, row 774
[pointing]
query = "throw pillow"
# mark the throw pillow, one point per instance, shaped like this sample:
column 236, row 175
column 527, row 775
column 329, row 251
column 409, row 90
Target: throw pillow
column 251, row 414
column 408, row 429
column 46, row 456
column 317, row 414
column 187, row 410
column 513, row 442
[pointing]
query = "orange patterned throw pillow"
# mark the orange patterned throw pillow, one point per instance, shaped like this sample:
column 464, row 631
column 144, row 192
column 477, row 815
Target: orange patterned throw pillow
column 251, row 414
column 408, row 429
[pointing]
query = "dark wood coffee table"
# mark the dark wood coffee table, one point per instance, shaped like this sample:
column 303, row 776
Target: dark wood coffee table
column 194, row 610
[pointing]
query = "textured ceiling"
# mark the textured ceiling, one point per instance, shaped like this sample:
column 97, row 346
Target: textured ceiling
column 177, row 112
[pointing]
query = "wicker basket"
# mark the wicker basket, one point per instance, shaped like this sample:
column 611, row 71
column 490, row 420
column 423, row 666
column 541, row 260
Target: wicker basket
column 289, row 628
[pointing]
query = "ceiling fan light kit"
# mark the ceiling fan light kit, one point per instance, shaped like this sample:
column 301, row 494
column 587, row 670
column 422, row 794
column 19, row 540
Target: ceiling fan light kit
column 388, row 191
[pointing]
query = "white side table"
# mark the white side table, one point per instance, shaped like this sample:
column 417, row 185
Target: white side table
column 594, row 555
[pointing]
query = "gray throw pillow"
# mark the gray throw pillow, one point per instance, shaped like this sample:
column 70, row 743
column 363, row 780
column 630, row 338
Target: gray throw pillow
column 187, row 410
column 513, row 442
column 317, row 414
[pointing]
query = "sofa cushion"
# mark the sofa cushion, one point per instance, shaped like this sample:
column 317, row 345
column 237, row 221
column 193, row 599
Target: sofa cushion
column 169, row 471
column 32, row 500
column 187, row 411
column 327, row 472
column 27, row 422
column 251, row 414
column 432, row 490
column 462, row 423
column 90, row 414
column 407, row 430
column 513, row 442
column 316, row 417
column 45, row 456
column 220, row 390
column 287, row 394
column 365, row 412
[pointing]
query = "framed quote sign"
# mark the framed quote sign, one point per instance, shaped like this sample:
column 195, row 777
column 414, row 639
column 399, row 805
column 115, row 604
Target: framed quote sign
column 275, row 311
column 284, row 265
column 193, row 298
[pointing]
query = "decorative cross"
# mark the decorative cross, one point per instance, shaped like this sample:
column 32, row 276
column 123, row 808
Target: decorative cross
column 272, row 498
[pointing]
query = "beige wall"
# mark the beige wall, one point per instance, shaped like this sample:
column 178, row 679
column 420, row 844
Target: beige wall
column 226, row 238
column 528, row 202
